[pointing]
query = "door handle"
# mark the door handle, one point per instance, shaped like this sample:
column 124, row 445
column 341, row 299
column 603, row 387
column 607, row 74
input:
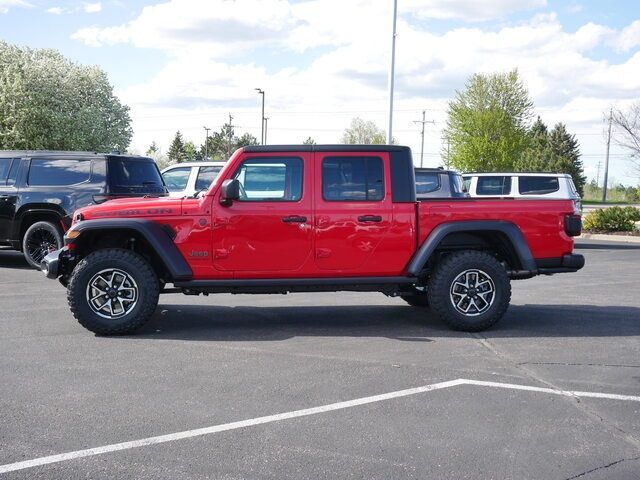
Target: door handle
column 294, row 219
column 370, row 218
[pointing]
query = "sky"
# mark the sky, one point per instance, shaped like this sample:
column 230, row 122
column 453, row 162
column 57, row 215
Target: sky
column 188, row 64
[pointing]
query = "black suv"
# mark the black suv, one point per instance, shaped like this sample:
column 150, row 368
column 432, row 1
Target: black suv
column 39, row 191
column 438, row 183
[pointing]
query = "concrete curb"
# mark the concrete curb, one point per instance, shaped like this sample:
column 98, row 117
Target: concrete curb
column 609, row 238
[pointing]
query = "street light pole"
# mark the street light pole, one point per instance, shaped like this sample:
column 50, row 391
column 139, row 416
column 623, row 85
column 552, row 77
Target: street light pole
column 206, row 143
column 392, row 72
column 262, row 139
column 266, row 120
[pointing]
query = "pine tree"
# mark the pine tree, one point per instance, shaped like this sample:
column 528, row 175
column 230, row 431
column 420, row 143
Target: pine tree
column 176, row 150
column 153, row 149
column 567, row 155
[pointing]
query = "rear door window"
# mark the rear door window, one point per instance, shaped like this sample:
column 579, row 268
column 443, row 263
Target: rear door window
column 5, row 167
column 538, row 185
column 496, row 186
column 353, row 179
column 206, row 176
column 58, row 172
column 427, row 182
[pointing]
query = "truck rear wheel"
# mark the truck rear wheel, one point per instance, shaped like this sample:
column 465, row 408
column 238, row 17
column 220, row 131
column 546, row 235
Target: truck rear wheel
column 113, row 291
column 469, row 290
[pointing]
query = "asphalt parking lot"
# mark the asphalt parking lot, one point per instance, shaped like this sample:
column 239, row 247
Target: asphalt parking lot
column 254, row 368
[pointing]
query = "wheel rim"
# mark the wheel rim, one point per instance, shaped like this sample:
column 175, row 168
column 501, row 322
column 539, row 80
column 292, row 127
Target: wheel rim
column 40, row 243
column 112, row 293
column 472, row 292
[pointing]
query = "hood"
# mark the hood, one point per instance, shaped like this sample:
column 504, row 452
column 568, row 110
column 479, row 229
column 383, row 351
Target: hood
column 131, row 208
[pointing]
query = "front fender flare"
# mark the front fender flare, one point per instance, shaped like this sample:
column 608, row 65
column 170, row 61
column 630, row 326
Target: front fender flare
column 152, row 232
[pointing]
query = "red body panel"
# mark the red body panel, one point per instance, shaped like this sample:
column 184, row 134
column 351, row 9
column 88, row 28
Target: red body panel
column 250, row 240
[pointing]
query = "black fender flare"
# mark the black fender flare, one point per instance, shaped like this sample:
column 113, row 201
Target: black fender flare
column 513, row 233
column 155, row 234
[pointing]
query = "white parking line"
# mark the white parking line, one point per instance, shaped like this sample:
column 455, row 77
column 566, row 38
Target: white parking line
column 11, row 467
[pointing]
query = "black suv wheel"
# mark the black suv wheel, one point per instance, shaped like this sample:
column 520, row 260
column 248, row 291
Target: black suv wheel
column 469, row 290
column 113, row 291
column 39, row 240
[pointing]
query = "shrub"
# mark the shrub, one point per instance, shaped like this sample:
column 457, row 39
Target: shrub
column 613, row 219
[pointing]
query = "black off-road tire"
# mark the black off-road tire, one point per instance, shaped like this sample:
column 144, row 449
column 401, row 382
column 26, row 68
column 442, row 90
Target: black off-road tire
column 123, row 260
column 44, row 234
column 441, row 281
column 417, row 299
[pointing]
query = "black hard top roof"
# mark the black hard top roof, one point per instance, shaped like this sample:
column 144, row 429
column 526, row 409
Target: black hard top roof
column 62, row 153
column 325, row 148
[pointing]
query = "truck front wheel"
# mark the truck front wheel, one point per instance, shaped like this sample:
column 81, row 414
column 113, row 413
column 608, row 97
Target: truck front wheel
column 469, row 290
column 113, row 291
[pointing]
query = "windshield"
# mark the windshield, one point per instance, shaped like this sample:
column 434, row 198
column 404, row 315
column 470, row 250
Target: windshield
column 135, row 175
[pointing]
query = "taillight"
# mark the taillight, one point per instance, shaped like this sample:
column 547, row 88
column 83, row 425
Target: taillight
column 573, row 225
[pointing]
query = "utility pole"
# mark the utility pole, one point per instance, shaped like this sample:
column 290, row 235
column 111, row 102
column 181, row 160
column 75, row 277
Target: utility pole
column 206, row 143
column 392, row 72
column 423, row 121
column 598, row 174
column 262, row 139
column 606, row 160
column 229, row 144
column 266, row 119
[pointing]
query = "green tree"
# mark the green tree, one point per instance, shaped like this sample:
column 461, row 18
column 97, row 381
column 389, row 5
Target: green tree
column 364, row 132
column 49, row 102
column 221, row 144
column 567, row 155
column 487, row 123
column 309, row 141
column 176, row 149
column 153, row 149
column 191, row 152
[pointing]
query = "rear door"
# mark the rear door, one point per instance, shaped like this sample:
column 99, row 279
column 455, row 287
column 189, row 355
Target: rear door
column 269, row 229
column 8, row 196
column 353, row 211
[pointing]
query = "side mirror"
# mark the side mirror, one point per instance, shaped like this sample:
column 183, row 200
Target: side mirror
column 230, row 191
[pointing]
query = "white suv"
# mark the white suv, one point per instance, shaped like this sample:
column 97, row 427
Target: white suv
column 188, row 178
column 522, row 185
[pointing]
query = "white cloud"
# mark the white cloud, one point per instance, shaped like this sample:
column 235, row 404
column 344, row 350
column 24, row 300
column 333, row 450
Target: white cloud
column 55, row 10
column 469, row 10
column 93, row 7
column 629, row 37
column 6, row 5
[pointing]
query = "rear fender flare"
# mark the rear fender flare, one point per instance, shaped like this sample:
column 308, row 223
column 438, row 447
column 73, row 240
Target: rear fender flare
column 512, row 232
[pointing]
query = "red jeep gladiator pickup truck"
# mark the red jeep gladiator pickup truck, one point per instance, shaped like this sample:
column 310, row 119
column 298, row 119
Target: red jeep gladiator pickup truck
column 311, row 218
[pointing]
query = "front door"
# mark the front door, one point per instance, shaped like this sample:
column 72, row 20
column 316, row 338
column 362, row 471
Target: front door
column 269, row 229
column 354, row 212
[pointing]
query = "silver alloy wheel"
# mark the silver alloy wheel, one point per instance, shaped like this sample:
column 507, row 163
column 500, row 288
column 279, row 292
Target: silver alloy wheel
column 472, row 292
column 112, row 293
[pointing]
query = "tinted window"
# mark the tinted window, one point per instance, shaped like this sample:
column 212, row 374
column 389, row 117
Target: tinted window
column 352, row 179
column 457, row 184
column 206, row 176
column 59, row 172
column 176, row 179
column 5, row 166
column 427, row 182
column 537, row 185
column 466, row 183
column 493, row 185
column 270, row 179
column 130, row 172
